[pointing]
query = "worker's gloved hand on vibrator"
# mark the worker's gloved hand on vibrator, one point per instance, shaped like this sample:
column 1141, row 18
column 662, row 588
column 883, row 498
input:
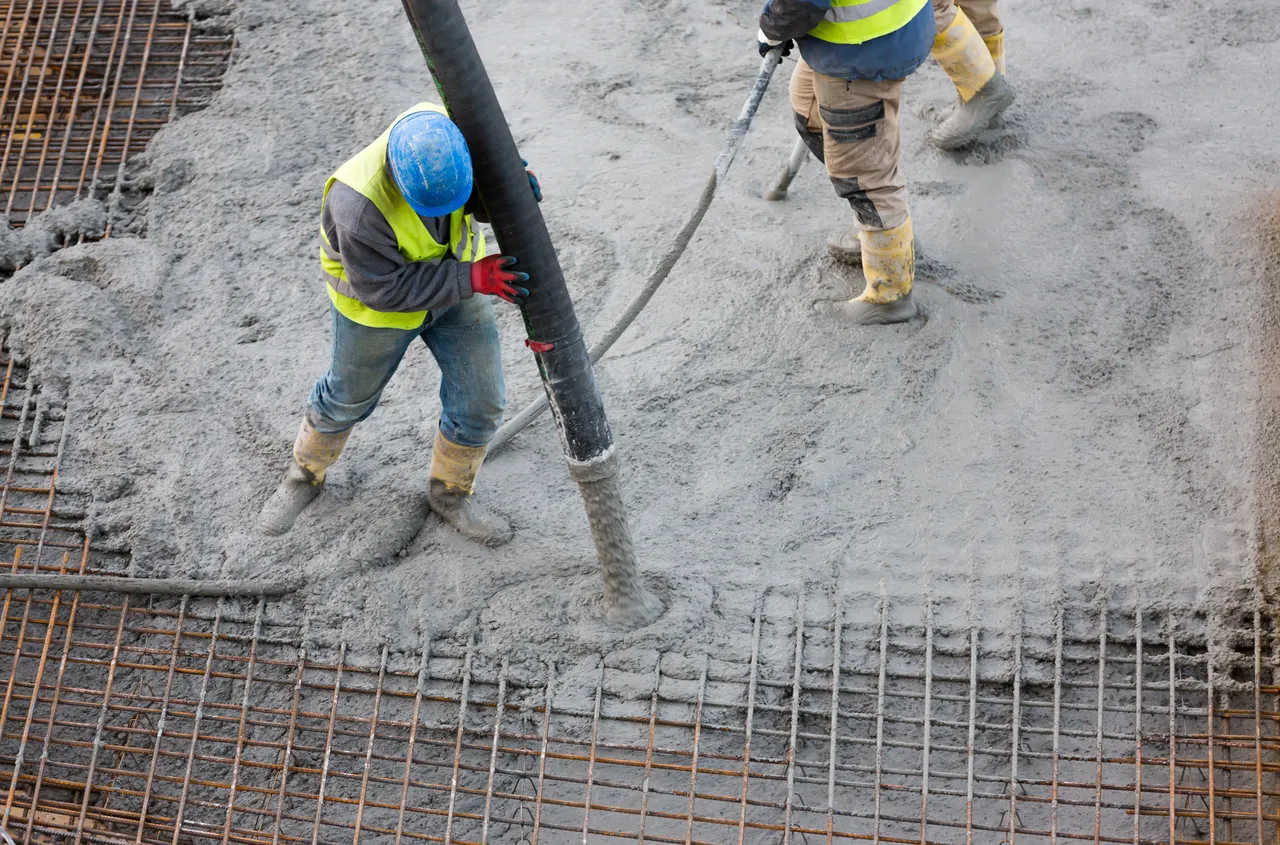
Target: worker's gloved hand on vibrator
column 533, row 181
column 490, row 276
column 766, row 44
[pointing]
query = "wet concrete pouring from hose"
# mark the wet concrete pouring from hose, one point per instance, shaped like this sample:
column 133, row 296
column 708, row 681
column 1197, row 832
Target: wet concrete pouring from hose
column 628, row 602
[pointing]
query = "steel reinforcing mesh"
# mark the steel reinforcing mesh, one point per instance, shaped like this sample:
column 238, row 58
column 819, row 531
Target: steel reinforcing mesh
column 87, row 84
column 190, row 720
column 184, row 721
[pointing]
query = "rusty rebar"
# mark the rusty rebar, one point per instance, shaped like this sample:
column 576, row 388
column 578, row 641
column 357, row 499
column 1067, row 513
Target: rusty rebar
column 457, row 754
column 1259, row 806
column 836, row 631
column 147, row 586
column 928, row 712
column 201, row 719
column 757, row 617
column 87, row 88
column 1102, row 674
column 493, row 757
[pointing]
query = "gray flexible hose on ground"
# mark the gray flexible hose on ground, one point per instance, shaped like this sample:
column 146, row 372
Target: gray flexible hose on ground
column 659, row 275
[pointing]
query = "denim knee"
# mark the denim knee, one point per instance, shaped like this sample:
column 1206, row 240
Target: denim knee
column 329, row 416
column 476, row 422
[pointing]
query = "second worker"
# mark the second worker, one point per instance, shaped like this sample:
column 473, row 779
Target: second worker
column 846, row 92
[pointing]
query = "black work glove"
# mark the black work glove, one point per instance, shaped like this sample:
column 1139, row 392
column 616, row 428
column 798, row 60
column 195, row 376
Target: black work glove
column 766, row 45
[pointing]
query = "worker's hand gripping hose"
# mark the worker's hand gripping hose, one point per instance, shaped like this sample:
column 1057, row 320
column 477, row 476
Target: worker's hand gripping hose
column 490, row 275
column 659, row 275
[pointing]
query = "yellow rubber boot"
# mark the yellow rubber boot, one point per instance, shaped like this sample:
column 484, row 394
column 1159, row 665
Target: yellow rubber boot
column 313, row 454
column 995, row 46
column 963, row 55
column 453, row 479
column 888, row 265
column 984, row 92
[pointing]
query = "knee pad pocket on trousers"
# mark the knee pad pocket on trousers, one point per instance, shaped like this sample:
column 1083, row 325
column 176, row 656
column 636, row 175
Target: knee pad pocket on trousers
column 861, row 133
column 849, row 125
column 852, row 117
column 859, row 201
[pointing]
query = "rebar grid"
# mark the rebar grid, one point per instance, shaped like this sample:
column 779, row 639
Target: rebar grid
column 38, row 525
column 194, row 720
column 86, row 86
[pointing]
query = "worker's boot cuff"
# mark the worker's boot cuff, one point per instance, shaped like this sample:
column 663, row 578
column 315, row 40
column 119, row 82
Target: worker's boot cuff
column 315, row 452
column 456, row 465
column 995, row 46
column 964, row 56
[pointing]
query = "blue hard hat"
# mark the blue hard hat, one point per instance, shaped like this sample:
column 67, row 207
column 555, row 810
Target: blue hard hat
column 430, row 163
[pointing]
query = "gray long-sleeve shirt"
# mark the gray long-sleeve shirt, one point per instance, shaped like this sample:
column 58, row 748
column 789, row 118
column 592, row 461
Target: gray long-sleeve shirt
column 378, row 274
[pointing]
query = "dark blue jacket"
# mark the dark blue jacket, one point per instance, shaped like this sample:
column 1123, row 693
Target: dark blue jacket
column 892, row 56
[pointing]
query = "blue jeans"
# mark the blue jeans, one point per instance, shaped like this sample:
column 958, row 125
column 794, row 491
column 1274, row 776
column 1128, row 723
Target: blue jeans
column 464, row 341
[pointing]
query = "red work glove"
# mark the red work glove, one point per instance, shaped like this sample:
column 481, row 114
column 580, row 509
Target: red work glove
column 489, row 276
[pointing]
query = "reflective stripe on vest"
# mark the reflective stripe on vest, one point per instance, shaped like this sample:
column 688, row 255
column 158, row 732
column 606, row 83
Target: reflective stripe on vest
column 367, row 174
column 858, row 21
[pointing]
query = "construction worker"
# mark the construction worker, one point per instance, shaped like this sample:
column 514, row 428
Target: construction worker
column 845, row 93
column 402, row 259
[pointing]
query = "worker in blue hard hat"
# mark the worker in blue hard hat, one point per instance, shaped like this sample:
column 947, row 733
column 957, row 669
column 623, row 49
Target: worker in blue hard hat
column 402, row 259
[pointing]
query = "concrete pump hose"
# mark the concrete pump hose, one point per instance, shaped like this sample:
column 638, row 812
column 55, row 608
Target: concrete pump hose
column 659, row 275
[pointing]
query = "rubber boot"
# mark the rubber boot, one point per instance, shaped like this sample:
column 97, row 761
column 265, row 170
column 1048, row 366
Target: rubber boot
column 888, row 264
column 995, row 46
column 453, row 477
column 984, row 92
column 313, row 454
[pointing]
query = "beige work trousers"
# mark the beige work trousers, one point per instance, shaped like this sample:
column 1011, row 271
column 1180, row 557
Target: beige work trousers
column 852, row 126
column 985, row 14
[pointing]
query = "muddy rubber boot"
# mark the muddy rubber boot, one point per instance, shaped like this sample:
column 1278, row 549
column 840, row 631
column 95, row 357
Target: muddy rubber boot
column 866, row 313
column 453, row 477
column 937, row 114
column 303, row 482
column 297, row 490
column 470, row 518
column 984, row 92
column 964, row 125
column 888, row 264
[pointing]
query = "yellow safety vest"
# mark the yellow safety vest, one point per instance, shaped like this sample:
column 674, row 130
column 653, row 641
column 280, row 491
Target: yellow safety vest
column 857, row 21
column 368, row 174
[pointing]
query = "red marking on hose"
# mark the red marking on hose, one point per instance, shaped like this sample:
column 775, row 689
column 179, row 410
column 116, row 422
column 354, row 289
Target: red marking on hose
column 539, row 346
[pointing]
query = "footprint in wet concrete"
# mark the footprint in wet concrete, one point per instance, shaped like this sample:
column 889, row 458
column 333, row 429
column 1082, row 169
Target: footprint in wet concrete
column 787, row 455
column 402, row 516
column 934, row 188
column 1124, row 131
column 969, row 292
column 83, row 268
column 1008, row 135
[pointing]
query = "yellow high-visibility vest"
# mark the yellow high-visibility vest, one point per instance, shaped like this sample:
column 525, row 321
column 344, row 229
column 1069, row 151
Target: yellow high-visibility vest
column 857, row 21
column 369, row 175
